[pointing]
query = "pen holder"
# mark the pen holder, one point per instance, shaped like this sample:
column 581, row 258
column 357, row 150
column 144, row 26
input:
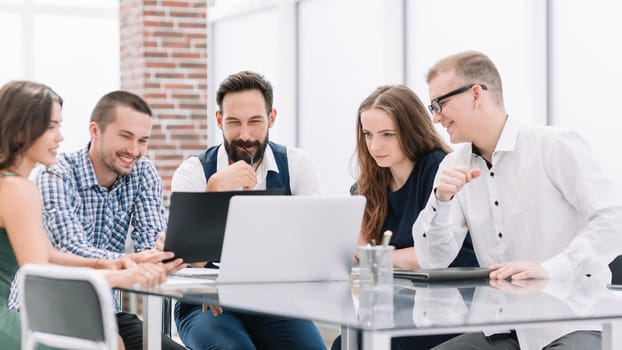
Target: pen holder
column 376, row 264
column 375, row 307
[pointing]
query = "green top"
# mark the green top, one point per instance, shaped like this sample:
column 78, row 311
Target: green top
column 8, row 267
column 10, row 329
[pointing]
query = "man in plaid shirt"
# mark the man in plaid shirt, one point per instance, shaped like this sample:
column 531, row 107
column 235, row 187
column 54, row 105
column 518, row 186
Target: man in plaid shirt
column 94, row 197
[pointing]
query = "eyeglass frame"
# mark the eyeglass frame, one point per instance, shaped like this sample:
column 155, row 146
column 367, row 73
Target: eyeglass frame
column 437, row 101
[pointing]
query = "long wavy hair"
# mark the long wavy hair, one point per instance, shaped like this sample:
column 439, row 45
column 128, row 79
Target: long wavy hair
column 25, row 114
column 417, row 136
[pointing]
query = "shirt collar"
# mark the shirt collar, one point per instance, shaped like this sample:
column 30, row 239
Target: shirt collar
column 85, row 174
column 507, row 140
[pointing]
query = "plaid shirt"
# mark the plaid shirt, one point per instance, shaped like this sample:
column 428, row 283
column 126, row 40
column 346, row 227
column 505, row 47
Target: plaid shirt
column 84, row 218
column 93, row 221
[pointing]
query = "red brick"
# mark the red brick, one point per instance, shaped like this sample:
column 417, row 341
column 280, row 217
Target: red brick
column 163, row 58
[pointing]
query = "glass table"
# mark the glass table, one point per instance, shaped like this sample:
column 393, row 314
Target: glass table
column 405, row 307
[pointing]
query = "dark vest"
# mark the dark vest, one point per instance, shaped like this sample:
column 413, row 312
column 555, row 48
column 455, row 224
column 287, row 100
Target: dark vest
column 209, row 158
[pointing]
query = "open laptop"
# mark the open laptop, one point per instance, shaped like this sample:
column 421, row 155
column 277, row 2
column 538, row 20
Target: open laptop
column 196, row 223
column 290, row 238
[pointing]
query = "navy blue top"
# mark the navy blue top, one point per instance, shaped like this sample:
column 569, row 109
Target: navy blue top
column 209, row 160
column 405, row 204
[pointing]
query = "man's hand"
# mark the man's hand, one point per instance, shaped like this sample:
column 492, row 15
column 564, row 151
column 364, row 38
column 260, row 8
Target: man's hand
column 518, row 270
column 159, row 243
column 239, row 175
column 518, row 286
column 451, row 180
column 216, row 310
column 173, row 265
column 150, row 255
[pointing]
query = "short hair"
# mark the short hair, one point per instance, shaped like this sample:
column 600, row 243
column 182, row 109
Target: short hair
column 242, row 81
column 25, row 114
column 104, row 111
column 471, row 67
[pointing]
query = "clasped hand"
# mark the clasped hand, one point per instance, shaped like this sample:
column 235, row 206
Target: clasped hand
column 239, row 175
column 451, row 180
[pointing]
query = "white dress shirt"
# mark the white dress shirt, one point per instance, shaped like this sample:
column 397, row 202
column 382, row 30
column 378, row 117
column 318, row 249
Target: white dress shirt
column 543, row 200
column 303, row 176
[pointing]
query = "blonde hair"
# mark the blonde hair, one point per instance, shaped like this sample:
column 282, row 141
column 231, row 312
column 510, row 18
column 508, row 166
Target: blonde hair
column 471, row 67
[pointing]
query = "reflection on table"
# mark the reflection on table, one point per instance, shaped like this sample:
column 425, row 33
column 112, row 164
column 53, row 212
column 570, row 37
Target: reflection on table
column 408, row 308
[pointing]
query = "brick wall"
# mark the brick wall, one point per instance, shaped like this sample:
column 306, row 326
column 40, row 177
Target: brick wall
column 164, row 59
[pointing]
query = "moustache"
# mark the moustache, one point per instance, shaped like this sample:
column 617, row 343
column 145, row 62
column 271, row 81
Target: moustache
column 245, row 144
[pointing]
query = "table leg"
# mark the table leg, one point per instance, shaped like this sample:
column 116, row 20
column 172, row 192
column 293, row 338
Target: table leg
column 376, row 341
column 349, row 338
column 152, row 322
column 611, row 335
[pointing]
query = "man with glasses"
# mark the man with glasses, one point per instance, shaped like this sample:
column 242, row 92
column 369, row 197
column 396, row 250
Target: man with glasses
column 534, row 200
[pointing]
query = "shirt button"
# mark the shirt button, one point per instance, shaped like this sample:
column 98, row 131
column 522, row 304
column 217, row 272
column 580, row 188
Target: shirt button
column 433, row 209
column 492, row 173
column 500, row 235
column 497, row 203
column 424, row 235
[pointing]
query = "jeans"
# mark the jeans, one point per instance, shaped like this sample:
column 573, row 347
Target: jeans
column 235, row 330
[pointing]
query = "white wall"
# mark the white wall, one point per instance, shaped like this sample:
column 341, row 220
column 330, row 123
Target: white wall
column 345, row 48
column 587, row 72
column 504, row 32
column 72, row 46
column 324, row 56
column 339, row 67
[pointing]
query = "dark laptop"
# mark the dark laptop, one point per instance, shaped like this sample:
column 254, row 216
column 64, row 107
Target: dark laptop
column 196, row 223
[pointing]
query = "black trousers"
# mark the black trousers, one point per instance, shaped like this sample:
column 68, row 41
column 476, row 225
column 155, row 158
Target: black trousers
column 131, row 331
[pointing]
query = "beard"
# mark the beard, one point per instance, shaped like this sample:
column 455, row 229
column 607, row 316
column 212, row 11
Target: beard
column 108, row 159
column 236, row 150
column 109, row 163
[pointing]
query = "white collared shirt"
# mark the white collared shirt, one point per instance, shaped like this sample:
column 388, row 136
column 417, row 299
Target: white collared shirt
column 303, row 176
column 545, row 199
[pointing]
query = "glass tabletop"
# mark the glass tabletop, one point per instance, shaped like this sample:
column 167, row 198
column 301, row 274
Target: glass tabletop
column 407, row 305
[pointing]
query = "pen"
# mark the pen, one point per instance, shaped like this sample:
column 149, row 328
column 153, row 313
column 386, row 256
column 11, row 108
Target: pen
column 250, row 155
column 386, row 237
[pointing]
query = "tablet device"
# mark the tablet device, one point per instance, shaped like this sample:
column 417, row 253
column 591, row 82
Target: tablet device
column 196, row 223
column 443, row 274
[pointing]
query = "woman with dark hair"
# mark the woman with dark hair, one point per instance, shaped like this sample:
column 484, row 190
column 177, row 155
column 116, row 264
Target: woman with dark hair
column 398, row 152
column 30, row 118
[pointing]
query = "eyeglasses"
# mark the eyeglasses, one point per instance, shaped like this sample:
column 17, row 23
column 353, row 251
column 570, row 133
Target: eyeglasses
column 435, row 106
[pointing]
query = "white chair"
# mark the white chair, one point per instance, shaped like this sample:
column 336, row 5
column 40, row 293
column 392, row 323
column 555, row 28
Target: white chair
column 66, row 307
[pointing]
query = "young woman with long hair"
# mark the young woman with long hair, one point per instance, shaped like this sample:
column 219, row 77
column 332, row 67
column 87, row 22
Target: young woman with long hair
column 30, row 118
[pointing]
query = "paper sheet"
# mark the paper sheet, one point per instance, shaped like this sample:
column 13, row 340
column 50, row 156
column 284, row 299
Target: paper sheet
column 190, row 271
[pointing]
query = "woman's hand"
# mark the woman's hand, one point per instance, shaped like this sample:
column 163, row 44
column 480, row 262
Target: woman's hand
column 105, row 264
column 146, row 275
